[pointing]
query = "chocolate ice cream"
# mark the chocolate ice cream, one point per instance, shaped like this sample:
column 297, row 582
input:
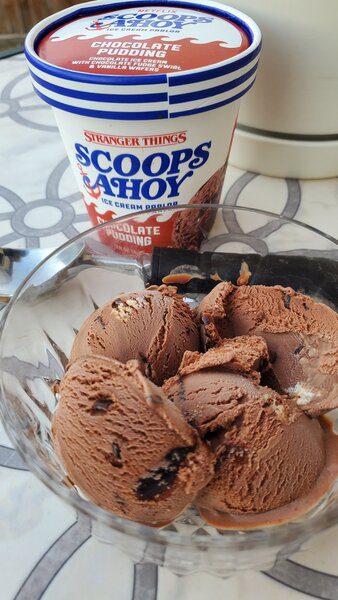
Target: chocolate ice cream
column 154, row 326
column 268, row 451
column 246, row 354
column 189, row 228
column 301, row 334
column 216, row 434
column 125, row 445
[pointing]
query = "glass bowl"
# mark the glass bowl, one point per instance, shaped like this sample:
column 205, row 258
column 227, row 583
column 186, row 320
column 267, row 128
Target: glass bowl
column 43, row 317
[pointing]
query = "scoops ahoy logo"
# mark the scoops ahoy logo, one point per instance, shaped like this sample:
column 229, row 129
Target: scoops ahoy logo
column 128, row 176
column 146, row 20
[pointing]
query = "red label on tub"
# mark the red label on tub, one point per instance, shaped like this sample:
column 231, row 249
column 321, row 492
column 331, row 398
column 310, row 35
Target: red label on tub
column 134, row 235
column 143, row 40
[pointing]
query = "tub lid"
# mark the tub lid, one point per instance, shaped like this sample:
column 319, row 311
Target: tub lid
column 143, row 40
column 169, row 56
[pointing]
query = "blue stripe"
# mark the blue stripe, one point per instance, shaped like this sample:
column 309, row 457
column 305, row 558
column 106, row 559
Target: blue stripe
column 102, row 114
column 128, row 79
column 208, row 93
column 123, row 98
column 196, row 111
column 175, row 80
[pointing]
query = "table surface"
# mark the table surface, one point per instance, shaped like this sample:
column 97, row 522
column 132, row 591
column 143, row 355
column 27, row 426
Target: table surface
column 46, row 548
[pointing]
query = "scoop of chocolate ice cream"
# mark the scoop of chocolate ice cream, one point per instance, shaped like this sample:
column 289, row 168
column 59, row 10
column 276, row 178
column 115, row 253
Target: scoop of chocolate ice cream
column 268, row 451
column 301, row 334
column 154, row 326
column 125, row 445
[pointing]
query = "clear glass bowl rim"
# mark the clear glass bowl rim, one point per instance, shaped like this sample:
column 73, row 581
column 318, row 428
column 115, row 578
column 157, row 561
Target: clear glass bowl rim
column 231, row 539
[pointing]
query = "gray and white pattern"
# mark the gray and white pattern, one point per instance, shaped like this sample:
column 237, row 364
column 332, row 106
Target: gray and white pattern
column 46, row 548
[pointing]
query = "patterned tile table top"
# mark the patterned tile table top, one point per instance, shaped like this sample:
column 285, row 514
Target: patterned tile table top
column 46, row 548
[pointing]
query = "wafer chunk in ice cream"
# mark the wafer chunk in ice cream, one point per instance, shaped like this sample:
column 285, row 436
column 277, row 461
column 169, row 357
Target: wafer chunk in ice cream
column 301, row 334
column 154, row 326
column 268, row 451
column 125, row 445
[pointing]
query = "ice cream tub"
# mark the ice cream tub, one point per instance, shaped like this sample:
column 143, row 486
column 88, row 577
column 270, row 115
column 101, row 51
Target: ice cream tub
column 146, row 98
